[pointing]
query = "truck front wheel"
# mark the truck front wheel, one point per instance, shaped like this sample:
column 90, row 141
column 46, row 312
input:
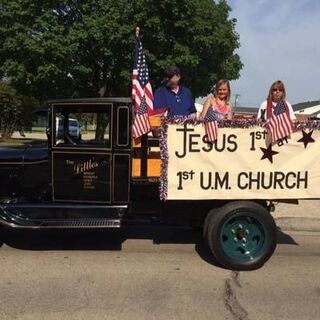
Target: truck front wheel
column 241, row 235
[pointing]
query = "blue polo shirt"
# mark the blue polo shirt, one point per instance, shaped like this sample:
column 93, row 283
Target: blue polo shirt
column 178, row 104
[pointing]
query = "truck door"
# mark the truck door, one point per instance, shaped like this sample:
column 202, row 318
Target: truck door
column 92, row 165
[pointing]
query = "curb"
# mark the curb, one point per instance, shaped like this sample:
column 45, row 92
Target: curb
column 298, row 224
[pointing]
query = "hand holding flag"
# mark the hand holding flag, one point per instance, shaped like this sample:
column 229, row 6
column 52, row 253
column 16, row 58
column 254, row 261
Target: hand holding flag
column 279, row 125
column 211, row 123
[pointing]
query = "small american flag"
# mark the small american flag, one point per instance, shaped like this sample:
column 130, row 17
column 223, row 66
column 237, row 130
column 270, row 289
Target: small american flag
column 141, row 95
column 279, row 125
column 211, row 124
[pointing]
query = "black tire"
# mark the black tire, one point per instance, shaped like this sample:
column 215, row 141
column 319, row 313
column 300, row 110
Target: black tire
column 241, row 235
column 207, row 222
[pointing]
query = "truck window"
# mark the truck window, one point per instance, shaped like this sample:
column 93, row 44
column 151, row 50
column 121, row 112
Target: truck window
column 88, row 126
column 123, row 135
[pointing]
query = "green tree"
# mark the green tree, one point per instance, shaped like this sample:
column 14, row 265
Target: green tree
column 80, row 48
column 35, row 48
column 10, row 110
column 198, row 36
column 15, row 111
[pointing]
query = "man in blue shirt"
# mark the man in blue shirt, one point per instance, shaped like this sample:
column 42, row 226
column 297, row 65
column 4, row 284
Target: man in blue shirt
column 173, row 97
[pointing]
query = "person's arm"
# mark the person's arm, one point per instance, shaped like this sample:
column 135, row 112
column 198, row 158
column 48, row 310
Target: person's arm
column 160, row 102
column 207, row 104
column 230, row 113
column 262, row 111
column 192, row 107
column 291, row 112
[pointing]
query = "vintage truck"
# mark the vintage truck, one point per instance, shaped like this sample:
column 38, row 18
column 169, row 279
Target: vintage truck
column 107, row 180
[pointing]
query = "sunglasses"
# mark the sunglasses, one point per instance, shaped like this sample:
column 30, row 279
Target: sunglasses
column 277, row 89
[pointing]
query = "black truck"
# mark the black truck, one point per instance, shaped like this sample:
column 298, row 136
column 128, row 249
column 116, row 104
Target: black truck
column 104, row 179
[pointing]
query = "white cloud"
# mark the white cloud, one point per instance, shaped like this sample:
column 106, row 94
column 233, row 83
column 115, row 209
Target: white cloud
column 279, row 40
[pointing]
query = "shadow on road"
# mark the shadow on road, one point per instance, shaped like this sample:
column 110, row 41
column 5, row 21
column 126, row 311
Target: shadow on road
column 105, row 239
column 284, row 238
column 63, row 239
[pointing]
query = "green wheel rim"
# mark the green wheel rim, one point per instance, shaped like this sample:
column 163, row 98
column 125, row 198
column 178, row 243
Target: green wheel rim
column 243, row 238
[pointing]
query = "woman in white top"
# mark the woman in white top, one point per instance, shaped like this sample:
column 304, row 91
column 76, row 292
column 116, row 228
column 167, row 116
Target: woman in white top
column 277, row 93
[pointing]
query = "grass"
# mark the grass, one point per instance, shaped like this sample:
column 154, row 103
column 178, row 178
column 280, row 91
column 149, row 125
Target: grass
column 38, row 129
column 20, row 143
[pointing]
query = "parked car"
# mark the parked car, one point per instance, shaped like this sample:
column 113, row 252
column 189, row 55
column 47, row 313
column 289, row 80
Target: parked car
column 74, row 128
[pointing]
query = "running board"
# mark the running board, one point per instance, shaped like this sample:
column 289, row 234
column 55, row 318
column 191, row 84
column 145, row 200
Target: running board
column 12, row 220
column 82, row 223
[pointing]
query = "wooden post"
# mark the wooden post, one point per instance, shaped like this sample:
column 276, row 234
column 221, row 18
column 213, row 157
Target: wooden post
column 144, row 156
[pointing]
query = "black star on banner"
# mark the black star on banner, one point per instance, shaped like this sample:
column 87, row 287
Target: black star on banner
column 306, row 138
column 268, row 153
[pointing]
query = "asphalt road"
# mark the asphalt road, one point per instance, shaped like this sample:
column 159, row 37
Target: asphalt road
column 157, row 274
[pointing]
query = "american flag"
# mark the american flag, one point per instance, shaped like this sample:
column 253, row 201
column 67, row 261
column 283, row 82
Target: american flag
column 141, row 95
column 279, row 125
column 211, row 124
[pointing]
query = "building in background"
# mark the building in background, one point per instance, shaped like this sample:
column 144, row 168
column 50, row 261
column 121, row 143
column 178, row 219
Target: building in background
column 307, row 110
column 303, row 111
column 245, row 113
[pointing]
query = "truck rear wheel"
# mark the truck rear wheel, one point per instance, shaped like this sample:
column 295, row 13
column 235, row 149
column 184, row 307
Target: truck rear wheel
column 241, row 235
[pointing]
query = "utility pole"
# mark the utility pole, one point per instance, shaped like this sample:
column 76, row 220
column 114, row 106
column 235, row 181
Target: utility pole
column 236, row 98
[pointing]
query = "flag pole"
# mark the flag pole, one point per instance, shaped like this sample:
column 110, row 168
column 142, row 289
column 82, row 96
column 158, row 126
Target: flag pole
column 143, row 141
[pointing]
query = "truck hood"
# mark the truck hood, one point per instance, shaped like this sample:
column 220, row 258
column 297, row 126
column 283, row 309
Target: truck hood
column 22, row 155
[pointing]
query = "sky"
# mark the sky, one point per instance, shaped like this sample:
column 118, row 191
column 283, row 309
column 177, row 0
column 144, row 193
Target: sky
column 280, row 40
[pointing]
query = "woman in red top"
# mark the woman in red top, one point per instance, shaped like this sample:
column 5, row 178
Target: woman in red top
column 220, row 101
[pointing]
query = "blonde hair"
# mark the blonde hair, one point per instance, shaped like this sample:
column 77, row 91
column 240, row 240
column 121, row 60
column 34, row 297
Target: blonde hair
column 218, row 85
column 277, row 85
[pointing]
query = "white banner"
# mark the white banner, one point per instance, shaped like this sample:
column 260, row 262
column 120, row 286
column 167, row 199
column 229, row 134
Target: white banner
column 242, row 164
